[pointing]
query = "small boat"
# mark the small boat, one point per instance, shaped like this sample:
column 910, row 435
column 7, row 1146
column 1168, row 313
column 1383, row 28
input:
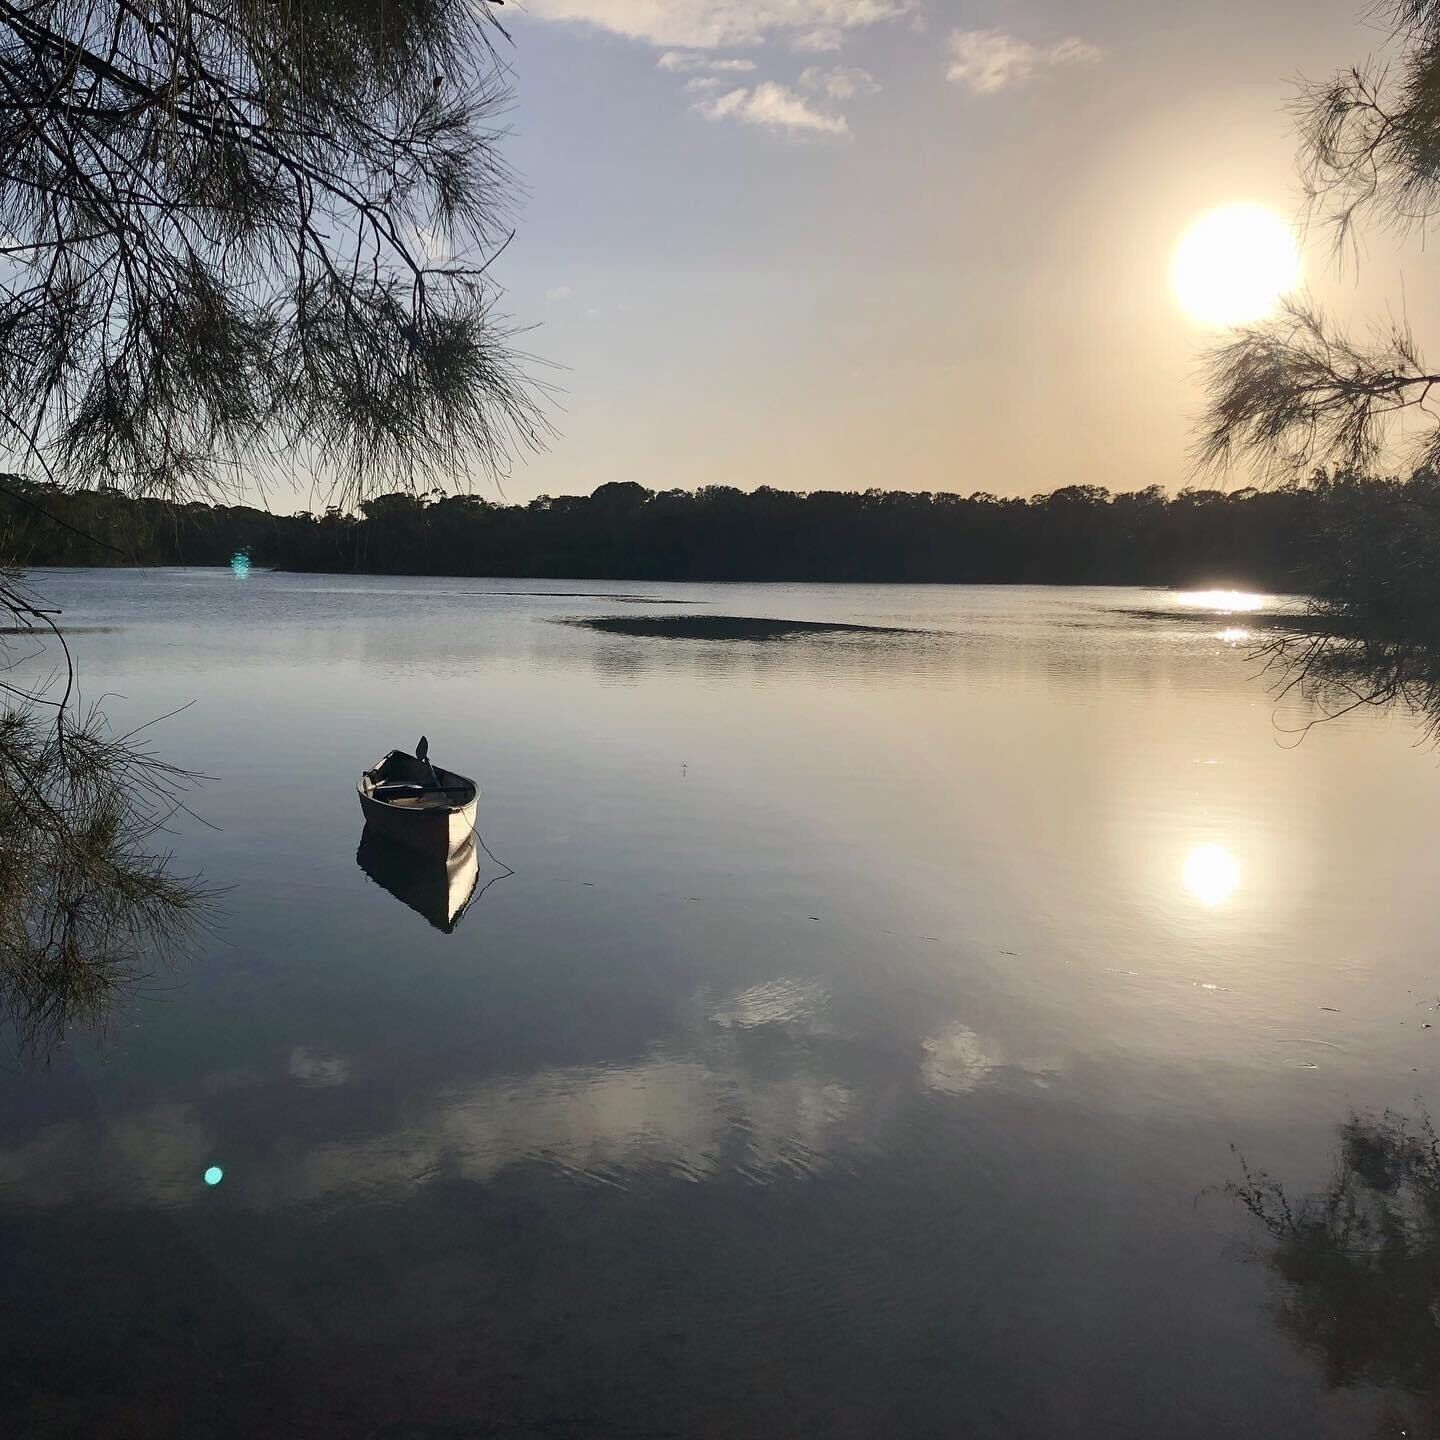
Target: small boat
column 439, row 889
column 407, row 799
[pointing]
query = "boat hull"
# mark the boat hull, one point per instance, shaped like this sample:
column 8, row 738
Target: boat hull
column 430, row 829
column 427, row 832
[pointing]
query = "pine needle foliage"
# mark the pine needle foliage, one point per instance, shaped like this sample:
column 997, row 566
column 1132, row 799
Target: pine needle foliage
column 241, row 236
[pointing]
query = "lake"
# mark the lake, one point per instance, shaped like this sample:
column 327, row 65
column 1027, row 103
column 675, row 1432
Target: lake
column 861, row 1046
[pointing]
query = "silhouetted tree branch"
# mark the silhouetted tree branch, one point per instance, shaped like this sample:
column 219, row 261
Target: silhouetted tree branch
column 1297, row 392
column 248, row 231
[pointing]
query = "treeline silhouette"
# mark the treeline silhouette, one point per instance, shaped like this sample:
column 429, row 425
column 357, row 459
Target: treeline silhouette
column 1273, row 538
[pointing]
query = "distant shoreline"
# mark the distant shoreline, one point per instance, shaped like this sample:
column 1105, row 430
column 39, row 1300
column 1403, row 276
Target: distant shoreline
column 1208, row 582
column 1074, row 535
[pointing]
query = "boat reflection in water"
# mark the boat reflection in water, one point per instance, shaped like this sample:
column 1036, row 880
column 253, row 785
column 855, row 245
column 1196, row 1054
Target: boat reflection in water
column 440, row 890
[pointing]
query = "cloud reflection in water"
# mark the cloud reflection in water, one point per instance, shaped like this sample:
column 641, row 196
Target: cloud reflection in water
column 765, row 1088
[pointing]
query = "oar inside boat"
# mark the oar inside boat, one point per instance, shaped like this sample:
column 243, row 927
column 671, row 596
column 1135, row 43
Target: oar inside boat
column 398, row 788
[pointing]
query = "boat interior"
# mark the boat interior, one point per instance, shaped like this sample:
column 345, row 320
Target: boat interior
column 408, row 783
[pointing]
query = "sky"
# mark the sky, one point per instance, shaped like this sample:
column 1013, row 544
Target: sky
column 853, row 243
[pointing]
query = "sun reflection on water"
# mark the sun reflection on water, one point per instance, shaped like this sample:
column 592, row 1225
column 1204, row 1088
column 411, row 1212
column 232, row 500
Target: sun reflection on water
column 1210, row 874
column 1222, row 600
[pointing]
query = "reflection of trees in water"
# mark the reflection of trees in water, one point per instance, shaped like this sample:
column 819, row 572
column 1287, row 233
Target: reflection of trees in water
column 1372, row 635
column 1360, row 1263
column 86, row 905
column 1360, row 1260
column 1338, row 673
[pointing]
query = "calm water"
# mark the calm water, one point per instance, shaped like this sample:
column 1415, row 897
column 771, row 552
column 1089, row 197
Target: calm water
column 857, row 1050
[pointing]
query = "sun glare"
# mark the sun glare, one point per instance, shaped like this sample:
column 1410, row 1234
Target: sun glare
column 1233, row 265
column 1224, row 601
column 1210, row 874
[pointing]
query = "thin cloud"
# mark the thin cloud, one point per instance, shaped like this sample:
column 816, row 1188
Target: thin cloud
column 776, row 108
column 699, row 83
column 718, row 24
column 988, row 61
column 686, row 62
column 842, row 82
column 558, row 294
column 818, row 42
column 1072, row 50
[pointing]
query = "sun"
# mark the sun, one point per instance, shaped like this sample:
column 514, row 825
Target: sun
column 1234, row 264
